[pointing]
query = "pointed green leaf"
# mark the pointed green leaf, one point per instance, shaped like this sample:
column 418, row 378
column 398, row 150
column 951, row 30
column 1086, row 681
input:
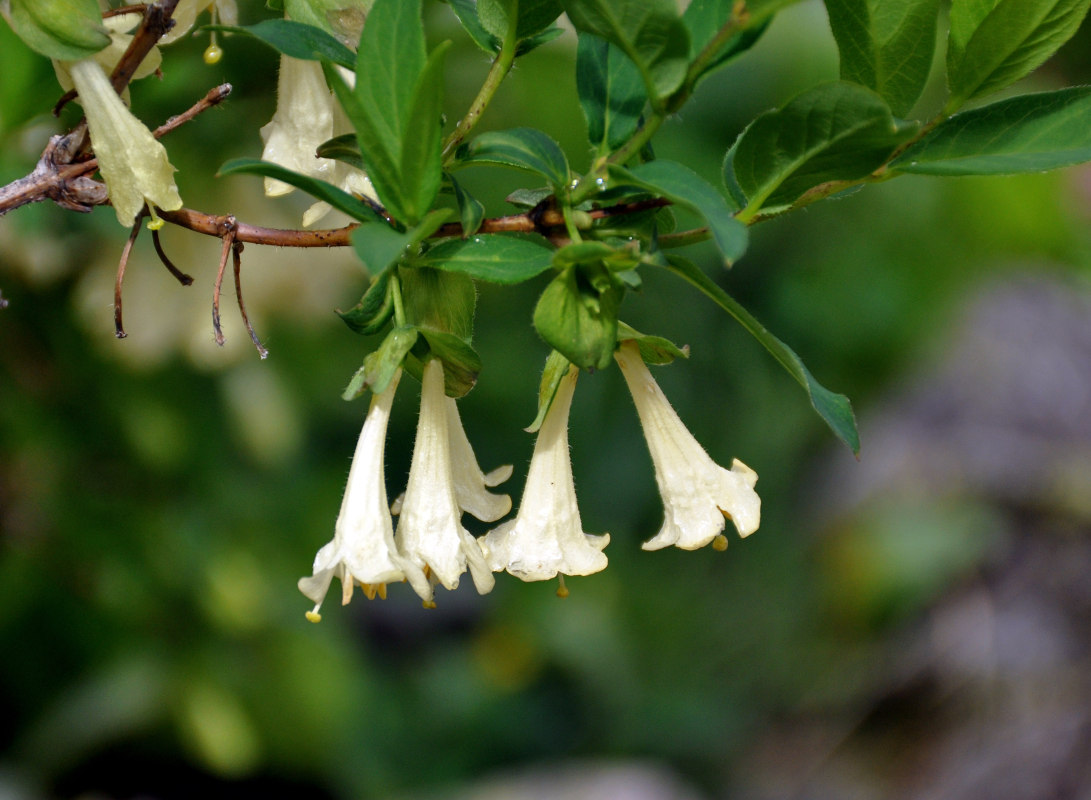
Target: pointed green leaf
column 524, row 148
column 379, row 366
column 421, row 164
column 705, row 18
column 993, row 43
column 343, row 18
column 611, row 92
column 378, row 246
column 342, row 148
column 461, row 363
column 650, row 32
column 532, row 16
column 388, row 68
column 297, row 40
column 682, row 185
column 381, row 157
column 835, row 409
column 466, row 11
column 556, row 367
column 833, row 132
column 504, row 258
column 886, row 45
column 374, row 309
column 471, row 211
column 1029, row 133
column 653, row 349
column 341, row 200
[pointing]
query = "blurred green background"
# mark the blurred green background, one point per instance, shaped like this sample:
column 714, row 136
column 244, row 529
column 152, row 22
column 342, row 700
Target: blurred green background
column 159, row 496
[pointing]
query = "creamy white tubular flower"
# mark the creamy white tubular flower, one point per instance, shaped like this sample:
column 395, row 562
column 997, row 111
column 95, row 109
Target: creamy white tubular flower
column 471, row 484
column 132, row 162
column 698, row 494
column 546, row 537
column 303, row 120
column 430, row 533
column 362, row 549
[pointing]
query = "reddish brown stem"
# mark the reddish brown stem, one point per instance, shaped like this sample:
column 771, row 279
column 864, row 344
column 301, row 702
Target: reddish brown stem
column 119, row 328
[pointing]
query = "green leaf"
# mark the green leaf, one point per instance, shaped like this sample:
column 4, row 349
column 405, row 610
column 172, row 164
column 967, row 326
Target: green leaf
column 650, row 32
column 439, row 300
column 653, row 349
column 611, row 92
column 886, row 45
column 833, row 132
column 68, row 30
column 342, row 148
column 380, row 156
column 532, row 16
column 683, row 186
column 379, row 366
column 343, row 18
column 421, row 160
column 578, row 318
column 374, row 309
column 378, row 246
column 471, row 211
column 297, row 40
column 548, row 35
column 705, row 18
column 524, row 148
column 504, row 258
column 466, row 11
column 461, row 363
column 835, row 409
column 556, row 367
column 1029, row 133
column 389, row 64
column 993, row 43
column 341, row 200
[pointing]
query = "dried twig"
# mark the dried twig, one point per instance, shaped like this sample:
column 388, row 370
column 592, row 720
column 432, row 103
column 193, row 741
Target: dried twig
column 119, row 329
column 182, row 277
column 228, row 240
column 236, row 251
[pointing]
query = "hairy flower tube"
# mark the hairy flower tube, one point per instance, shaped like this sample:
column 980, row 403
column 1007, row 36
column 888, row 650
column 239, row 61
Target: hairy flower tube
column 119, row 28
column 363, row 549
column 471, row 484
column 698, row 494
column 132, row 162
column 546, row 537
column 430, row 534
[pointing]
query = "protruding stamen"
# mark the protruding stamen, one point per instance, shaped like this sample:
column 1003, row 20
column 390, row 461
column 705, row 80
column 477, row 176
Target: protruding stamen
column 562, row 590
column 428, row 603
column 313, row 615
column 719, row 543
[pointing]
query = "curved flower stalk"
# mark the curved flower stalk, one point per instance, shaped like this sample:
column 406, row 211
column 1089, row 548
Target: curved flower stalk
column 133, row 163
column 430, row 534
column 363, row 549
column 546, row 537
column 698, row 494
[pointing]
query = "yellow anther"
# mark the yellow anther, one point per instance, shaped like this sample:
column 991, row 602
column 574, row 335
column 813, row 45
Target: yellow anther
column 380, row 589
column 719, row 543
column 155, row 223
column 562, row 590
column 313, row 616
column 213, row 54
column 428, row 603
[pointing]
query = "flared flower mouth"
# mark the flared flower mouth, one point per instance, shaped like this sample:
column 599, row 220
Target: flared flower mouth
column 133, row 163
column 546, row 538
column 430, row 533
column 363, row 550
column 699, row 495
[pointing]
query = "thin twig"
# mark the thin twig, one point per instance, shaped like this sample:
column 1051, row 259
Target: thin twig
column 119, row 329
column 182, row 277
column 236, row 251
column 228, row 240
